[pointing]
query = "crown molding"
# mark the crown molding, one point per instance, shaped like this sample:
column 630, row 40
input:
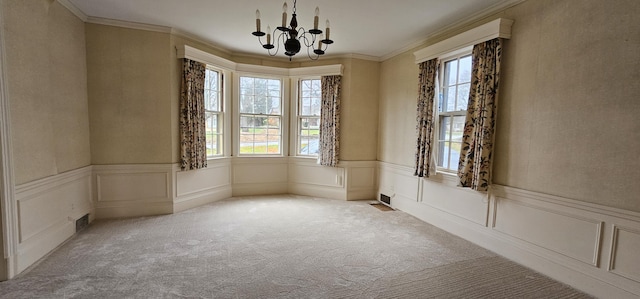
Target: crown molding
column 74, row 10
column 199, row 39
column 129, row 25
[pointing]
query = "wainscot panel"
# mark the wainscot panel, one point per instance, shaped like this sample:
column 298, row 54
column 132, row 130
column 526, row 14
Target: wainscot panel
column 133, row 190
column 198, row 187
column 308, row 178
column 440, row 192
column 397, row 181
column 361, row 179
column 257, row 176
column 47, row 211
column 574, row 236
column 625, row 258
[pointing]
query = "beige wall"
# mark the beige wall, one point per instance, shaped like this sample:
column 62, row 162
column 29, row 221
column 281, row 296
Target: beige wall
column 130, row 102
column 359, row 111
column 47, row 84
column 568, row 112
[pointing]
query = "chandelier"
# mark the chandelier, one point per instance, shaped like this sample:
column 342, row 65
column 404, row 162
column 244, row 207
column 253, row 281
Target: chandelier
column 293, row 37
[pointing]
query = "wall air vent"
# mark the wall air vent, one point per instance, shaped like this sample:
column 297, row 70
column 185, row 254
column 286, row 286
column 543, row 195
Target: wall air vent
column 82, row 223
column 385, row 199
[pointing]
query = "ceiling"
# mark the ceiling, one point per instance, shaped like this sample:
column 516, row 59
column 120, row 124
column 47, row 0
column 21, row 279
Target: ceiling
column 371, row 28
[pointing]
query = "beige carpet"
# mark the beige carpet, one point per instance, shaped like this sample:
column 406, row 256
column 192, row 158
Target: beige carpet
column 277, row 247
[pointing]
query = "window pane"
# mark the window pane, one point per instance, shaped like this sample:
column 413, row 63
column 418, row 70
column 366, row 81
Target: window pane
column 309, row 101
column 451, row 99
column 451, row 72
column 463, row 96
column 316, row 105
column 308, row 146
column 454, row 156
column 465, row 70
column 445, row 128
column 212, row 91
column 260, row 134
column 457, row 128
column 443, row 154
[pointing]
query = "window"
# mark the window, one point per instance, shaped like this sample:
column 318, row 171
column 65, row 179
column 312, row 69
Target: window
column 455, row 83
column 260, row 108
column 308, row 117
column 213, row 112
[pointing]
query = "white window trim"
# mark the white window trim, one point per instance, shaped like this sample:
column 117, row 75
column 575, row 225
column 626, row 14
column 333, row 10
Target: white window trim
column 295, row 101
column 284, row 103
column 440, row 77
column 223, row 113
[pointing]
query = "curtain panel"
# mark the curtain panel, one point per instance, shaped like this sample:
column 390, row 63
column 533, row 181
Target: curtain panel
column 193, row 151
column 330, row 121
column 474, row 169
column 425, row 164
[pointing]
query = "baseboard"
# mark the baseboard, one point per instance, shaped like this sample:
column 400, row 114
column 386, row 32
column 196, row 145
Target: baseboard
column 201, row 198
column 317, row 191
column 259, row 189
column 137, row 209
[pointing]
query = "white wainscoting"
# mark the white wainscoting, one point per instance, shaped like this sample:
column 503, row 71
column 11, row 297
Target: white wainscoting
column 257, row 176
column 133, row 190
column 47, row 211
column 350, row 180
column 591, row 247
column 361, row 178
column 198, row 187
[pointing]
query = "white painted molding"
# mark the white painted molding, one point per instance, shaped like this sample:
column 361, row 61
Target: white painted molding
column 128, row 25
column 262, row 70
column 205, row 57
column 497, row 28
column 510, row 192
column 627, row 268
column 8, row 203
column 325, row 70
column 208, row 58
column 74, row 10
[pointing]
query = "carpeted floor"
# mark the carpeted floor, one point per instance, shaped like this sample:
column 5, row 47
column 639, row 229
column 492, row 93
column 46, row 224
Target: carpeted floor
column 277, row 247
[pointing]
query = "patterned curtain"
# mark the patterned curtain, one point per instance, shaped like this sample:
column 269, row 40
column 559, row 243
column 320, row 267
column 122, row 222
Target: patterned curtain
column 330, row 121
column 425, row 165
column 193, row 151
column 474, row 168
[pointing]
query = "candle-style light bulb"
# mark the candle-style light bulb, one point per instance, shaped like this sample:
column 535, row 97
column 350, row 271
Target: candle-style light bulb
column 268, row 35
column 284, row 15
column 315, row 18
column 327, row 31
column 257, row 20
column 320, row 42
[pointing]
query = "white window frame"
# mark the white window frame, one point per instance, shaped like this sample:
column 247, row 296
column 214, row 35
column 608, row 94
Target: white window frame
column 284, row 107
column 298, row 116
column 457, row 55
column 220, row 114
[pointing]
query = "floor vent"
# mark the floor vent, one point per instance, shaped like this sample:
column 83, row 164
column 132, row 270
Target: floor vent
column 385, row 199
column 82, row 223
